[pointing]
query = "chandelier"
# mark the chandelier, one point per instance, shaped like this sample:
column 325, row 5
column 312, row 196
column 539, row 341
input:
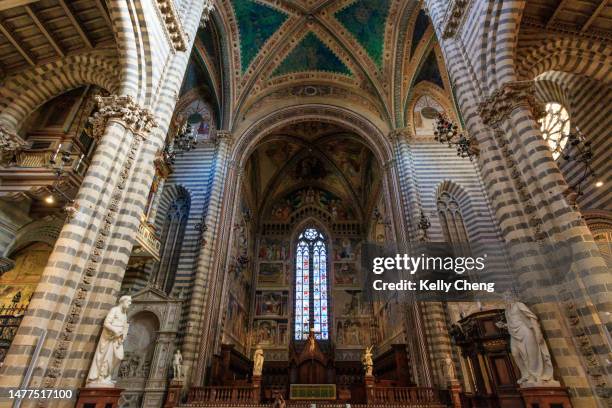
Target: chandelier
column 579, row 151
column 424, row 225
column 186, row 139
column 447, row 132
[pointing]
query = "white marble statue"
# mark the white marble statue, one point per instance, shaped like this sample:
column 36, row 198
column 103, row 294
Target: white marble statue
column 368, row 362
column 527, row 344
column 258, row 361
column 177, row 365
column 109, row 352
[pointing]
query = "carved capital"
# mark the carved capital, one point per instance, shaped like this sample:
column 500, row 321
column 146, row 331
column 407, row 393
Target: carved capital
column 10, row 141
column 173, row 25
column 454, row 17
column 125, row 110
column 509, row 97
column 224, row 136
column 406, row 133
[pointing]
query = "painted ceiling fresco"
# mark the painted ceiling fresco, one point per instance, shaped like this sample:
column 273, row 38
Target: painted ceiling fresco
column 368, row 52
column 311, row 55
column 340, row 170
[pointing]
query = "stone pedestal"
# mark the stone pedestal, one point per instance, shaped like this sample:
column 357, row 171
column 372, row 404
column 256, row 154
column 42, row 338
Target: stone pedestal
column 173, row 397
column 455, row 393
column 545, row 397
column 256, row 389
column 94, row 397
column 369, row 388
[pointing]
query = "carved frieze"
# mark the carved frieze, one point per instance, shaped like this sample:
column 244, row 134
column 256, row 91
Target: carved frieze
column 509, row 97
column 125, row 110
column 173, row 25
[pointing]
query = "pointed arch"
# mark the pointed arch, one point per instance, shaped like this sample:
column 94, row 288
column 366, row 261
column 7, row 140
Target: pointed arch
column 311, row 287
column 453, row 207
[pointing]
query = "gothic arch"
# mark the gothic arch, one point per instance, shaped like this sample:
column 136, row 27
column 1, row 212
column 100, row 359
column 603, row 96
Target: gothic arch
column 27, row 91
column 455, row 193
column 371, row 132
column 45, row 230
column 573, row 55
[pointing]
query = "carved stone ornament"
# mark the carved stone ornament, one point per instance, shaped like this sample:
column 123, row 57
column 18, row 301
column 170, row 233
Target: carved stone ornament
column 124, row 109
column 509, row 97
column 454, row 18
column 223, row 135
column 10, row 141
column 405, row 133
column 173, row 25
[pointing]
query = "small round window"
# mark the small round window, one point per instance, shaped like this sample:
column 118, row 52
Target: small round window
column 555, row 127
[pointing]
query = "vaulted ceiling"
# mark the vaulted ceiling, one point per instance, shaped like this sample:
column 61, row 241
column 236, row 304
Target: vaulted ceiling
column 371, row 51
column 34, row 32
column 314, row 155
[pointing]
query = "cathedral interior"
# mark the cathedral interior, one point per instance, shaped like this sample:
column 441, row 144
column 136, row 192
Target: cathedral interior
column 228, row 166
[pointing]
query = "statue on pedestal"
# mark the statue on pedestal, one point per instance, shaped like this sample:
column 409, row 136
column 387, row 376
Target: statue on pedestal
column 177, row 366
column 527, row 344
column 258, row 361
column 109, row 352
column 449, row 369
column 368, row 362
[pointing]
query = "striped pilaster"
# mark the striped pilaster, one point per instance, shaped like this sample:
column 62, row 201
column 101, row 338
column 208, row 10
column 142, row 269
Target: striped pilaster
column 526, row 188
column 85, row 270
column 207, row 283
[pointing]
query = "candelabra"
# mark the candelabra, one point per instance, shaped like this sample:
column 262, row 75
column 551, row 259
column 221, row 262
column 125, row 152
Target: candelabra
column 447, row 132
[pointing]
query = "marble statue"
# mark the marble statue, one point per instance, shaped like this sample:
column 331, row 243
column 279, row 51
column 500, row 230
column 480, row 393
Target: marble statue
column 177, row 365
column 368, row 363
column 258, row 361
column 109, row 352
column 449, row 369
column 527, row 344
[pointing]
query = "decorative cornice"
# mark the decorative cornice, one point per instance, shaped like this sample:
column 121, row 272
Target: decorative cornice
column 454, row 18
column 125, row 110
column 566, row 29
column 509, row 97
column 173, row 25
column 10, row 141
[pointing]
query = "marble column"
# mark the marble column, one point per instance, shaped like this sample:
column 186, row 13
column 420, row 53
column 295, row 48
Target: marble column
column 205, row 297
column 84, row 273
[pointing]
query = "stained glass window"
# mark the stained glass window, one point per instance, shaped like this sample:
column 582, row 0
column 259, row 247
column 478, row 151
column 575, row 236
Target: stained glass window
column 311, row 286
column 555, row 127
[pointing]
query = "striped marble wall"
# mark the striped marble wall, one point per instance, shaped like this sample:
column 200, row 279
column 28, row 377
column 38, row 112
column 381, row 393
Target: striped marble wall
column 589, row 104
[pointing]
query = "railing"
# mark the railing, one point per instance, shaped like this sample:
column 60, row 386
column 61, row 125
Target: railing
column 403, row 395
column 223, row 395
column 10, row 319
column 148, row 240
